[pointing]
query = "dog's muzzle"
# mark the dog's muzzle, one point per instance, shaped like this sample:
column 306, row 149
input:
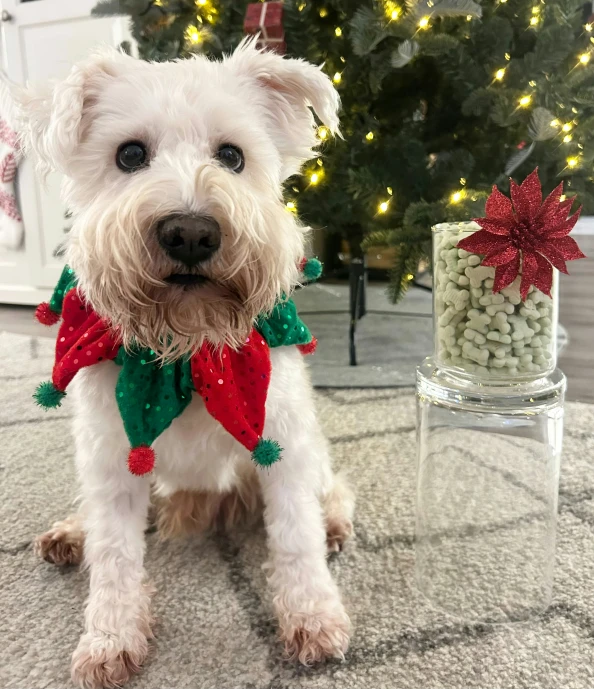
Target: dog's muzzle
column 190, row 239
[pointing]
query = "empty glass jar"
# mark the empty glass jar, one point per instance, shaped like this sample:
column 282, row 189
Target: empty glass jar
column 487, row 485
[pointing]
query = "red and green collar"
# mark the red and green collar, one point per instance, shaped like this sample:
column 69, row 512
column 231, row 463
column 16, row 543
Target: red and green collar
column 232, row 383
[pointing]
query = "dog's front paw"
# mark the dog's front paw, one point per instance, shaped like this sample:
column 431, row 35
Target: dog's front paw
column 338, row 530
column 107, row 662
column 63, row 543
column 310, row 637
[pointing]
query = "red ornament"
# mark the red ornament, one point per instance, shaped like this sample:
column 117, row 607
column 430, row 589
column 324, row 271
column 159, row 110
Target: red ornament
column 45, row 315
column 266, row 20
column 309, row 347
column 525, row 234
column 141, row 460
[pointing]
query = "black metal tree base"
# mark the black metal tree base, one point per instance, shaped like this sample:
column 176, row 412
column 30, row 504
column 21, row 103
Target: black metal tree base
column 358, row 305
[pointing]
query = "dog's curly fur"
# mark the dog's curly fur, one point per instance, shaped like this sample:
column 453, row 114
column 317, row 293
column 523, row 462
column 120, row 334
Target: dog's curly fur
column 182, row 112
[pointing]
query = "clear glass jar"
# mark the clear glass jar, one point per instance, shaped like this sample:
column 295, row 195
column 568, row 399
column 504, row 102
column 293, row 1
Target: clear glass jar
column 487, row 486
column 479, row 335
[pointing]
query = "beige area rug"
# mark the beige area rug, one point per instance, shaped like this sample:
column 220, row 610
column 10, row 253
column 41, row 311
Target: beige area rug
column 215, row 628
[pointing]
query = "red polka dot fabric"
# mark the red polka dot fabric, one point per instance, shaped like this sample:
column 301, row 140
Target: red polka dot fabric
column 84, row 339
column 234, row 386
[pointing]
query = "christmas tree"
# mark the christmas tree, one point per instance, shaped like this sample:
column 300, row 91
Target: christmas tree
column 441, row 99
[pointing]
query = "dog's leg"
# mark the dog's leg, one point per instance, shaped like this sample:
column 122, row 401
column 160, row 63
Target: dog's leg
column 339, row 504
column 117, row 617
column 313, row 622
column 63, row 543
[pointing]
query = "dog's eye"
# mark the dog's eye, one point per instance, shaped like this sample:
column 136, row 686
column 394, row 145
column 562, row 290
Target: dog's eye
column 131, row 156
column 231, row 156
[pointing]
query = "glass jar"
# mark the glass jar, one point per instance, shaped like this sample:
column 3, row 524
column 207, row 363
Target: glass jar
column 496, row 338
column 487, row 486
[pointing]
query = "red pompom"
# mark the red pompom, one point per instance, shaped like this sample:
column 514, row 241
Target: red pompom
column 45, row 315
column 308, row 348
column 302, row 263
column 141, row 460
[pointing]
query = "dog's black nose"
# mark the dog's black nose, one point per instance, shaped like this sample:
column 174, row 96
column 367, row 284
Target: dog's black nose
column 190, row 239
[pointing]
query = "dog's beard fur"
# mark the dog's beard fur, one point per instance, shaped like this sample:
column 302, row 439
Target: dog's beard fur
column 121, row 267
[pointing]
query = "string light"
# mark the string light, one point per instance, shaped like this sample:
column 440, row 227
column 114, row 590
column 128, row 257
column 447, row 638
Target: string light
column 383, row 206
column 201, row 2
column 369, row 136
column 588, row 28
column 410, row 277
column 469, row 17
column 323, row 12
column 502, row 1
column 338, row 32
column 291, row 207
column 424, row 23
column 392, row 10
column 507, row 56
column 525, row 101
column 314, row 178
column 389, row 190
column 342, row 59
column 320, row 162
column 323, row 133
column 302, row 6
column 532, row 83
column 562, row 198
column 572, row 162
column 463, row 181
column 567, row 127
column 567, row 139
column 555, row 123
column 585, row 58
column 194, row 35
column 337, row 78
column 534, row 21
column 500, row 73
column 536, row 9
column 456, row 197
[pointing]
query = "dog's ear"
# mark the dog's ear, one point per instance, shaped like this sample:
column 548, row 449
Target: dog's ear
column 289, row 88
column 51, row 116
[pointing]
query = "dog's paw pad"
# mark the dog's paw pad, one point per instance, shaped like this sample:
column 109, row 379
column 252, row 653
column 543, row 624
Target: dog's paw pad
column 313, row 638
column 61, row 545
column 337, row 532
column 94, row 667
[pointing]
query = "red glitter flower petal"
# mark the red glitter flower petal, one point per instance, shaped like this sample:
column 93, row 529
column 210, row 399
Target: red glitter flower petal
column 568, row 248
column 501, row 257
column 505, row 275
column 499, row 206
column 563, row 229
column 551, row 206
column 543, row 280
column 553, row 255
column 529, row 270
column 495, row 226
column 482, row 242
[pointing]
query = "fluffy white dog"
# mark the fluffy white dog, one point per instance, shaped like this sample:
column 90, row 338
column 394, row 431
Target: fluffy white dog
column 173, row 174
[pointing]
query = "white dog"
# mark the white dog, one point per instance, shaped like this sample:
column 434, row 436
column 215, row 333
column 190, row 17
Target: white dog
column 173, row 173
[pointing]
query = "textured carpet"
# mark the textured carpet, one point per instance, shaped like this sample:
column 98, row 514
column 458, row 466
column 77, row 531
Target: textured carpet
column 215, row 629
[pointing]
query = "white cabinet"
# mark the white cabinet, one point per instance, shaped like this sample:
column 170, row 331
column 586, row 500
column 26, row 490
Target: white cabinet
column 41, row 39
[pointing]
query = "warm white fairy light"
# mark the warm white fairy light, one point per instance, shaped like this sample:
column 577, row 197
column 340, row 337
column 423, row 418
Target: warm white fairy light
column 383, row 207
column 424, row 23
column 500, row 73
column 588, row 28
column 389, row 190
column 456, row 197
column 291, row 206
column 567, row 127
column 572, row 162
column 525, row 101
column 323, row 133
column 338, row 32
column 585, row 58
column 369, row 136
column 337, row 78
column 567, row 139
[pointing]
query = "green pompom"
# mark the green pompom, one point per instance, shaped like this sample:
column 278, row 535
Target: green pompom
column 267, row 452
column 312, row 269
column 48, row 396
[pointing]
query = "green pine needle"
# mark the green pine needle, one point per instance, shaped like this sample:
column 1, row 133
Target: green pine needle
column 267, row 452
column 48, row 396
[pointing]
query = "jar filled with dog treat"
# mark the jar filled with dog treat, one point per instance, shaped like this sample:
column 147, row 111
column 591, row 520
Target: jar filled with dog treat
column 481, row 332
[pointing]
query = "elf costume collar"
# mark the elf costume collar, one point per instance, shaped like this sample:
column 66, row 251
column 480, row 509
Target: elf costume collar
column 233, row 384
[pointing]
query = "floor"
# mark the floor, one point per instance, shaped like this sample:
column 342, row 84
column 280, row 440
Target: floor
column 389, row 346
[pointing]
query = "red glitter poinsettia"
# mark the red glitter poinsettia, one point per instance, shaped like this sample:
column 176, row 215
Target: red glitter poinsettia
column 523, row 234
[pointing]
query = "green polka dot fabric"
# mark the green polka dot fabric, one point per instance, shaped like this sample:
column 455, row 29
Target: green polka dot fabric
column 66, row 282
column 150, row 394
column 283, row 327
